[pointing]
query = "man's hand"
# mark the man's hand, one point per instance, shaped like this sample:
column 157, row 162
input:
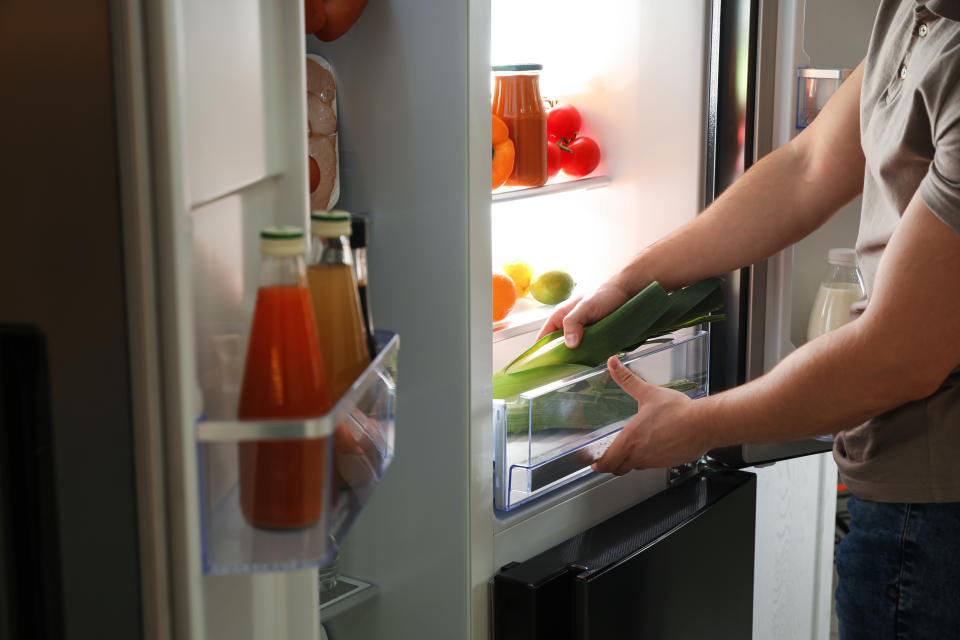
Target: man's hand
column 573, row 316
column 662, row 434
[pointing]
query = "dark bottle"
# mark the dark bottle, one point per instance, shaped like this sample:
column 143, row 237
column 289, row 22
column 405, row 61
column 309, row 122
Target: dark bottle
column 358, row 242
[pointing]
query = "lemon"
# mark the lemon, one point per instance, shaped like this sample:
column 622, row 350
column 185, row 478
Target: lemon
column 521, row 273
column 552, row 287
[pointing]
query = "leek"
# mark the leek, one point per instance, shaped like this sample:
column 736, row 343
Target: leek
column 597, row 400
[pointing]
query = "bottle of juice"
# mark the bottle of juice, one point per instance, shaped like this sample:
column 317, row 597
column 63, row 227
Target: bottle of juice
column 282, row 481
column 336, row 303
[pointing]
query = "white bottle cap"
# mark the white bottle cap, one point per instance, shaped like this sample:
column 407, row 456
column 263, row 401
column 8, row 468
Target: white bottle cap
column 842, row 257
column 282, row 242
column 330, row 224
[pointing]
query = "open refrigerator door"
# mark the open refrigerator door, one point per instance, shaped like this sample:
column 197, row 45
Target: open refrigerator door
column 666, row 91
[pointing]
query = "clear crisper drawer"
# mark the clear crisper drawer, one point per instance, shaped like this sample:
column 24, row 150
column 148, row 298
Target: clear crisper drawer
column 339, row 459
column 551, row 434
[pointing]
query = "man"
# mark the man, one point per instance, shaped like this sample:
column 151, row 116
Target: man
column 888, row 383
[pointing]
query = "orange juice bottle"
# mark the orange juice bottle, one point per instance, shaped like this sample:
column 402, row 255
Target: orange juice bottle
column 282, row 481
column 336, row 303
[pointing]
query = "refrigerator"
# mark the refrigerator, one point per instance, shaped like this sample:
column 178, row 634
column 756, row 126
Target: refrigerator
column 186, row 123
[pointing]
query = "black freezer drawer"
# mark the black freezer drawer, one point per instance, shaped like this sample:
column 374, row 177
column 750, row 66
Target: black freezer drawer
column 678, row 565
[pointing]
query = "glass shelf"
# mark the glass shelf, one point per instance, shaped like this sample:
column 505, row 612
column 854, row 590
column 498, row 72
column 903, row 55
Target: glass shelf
column 519, row 193
column 549, row 436
column 521, row 321
column 354, row 444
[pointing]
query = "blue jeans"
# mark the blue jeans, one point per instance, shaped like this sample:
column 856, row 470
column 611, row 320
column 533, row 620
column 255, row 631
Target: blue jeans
column 899, row 571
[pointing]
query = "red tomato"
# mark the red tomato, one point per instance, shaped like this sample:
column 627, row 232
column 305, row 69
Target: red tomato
column 314, row 15
column 563, row 121
column 581, row 157
column 554, row 157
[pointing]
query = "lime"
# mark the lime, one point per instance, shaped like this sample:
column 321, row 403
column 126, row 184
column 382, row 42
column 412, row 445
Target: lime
column 552, row 287
column 521, row 273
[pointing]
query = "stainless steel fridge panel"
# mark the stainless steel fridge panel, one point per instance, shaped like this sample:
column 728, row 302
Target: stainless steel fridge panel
column 733, row 39
column 743, row 50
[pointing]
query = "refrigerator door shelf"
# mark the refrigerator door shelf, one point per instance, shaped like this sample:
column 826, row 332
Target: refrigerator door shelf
column 507, row 194
column 549, row 436
column 359, row 437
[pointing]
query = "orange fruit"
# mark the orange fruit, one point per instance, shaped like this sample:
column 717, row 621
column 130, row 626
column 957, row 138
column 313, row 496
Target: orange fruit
column 504, row 296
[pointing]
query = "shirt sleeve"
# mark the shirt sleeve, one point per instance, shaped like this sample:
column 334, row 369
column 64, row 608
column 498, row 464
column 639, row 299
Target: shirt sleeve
column 940, row 188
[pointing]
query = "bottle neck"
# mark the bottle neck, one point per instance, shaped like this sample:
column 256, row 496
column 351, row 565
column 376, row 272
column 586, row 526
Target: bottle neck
column 282, row 271
column 840, row 274
column 330, row 251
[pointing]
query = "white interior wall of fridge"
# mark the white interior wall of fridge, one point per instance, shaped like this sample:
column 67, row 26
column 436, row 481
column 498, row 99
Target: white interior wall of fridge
column 636, row 72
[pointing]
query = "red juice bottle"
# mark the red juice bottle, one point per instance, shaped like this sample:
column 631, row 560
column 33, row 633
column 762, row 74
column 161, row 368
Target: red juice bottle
column 282, row 481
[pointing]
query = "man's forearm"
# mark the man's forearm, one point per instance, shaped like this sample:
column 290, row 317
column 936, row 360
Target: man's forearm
column 771, row 206
column 832, row 383
column 782, row 198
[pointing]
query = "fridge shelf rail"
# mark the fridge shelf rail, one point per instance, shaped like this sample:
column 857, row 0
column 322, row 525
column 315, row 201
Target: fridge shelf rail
column 356, row 441
column 547, row 437
column 579, row 184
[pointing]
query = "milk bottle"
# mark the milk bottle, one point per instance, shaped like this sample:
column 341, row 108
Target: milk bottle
column 840, row 288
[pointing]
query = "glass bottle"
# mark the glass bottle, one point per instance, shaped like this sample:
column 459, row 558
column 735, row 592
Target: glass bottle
column 517, row 101
column 282, row 481
column 842, row 285
column 336, row 302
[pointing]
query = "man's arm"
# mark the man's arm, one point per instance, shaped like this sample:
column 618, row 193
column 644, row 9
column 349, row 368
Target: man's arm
column 900, row 350
column 781, row 199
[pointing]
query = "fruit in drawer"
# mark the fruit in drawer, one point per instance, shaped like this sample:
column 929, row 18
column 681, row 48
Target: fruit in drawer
column 552, row 287
column 504, row 296
column 521, row 273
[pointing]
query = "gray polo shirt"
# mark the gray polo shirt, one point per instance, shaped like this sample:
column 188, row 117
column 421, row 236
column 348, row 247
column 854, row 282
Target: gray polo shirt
column 910, row 132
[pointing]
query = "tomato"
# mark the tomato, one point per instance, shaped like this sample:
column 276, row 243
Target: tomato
column 314, row 15
column 340, row 16
column 563, row 121
column 554, row 157
column 580, row 157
